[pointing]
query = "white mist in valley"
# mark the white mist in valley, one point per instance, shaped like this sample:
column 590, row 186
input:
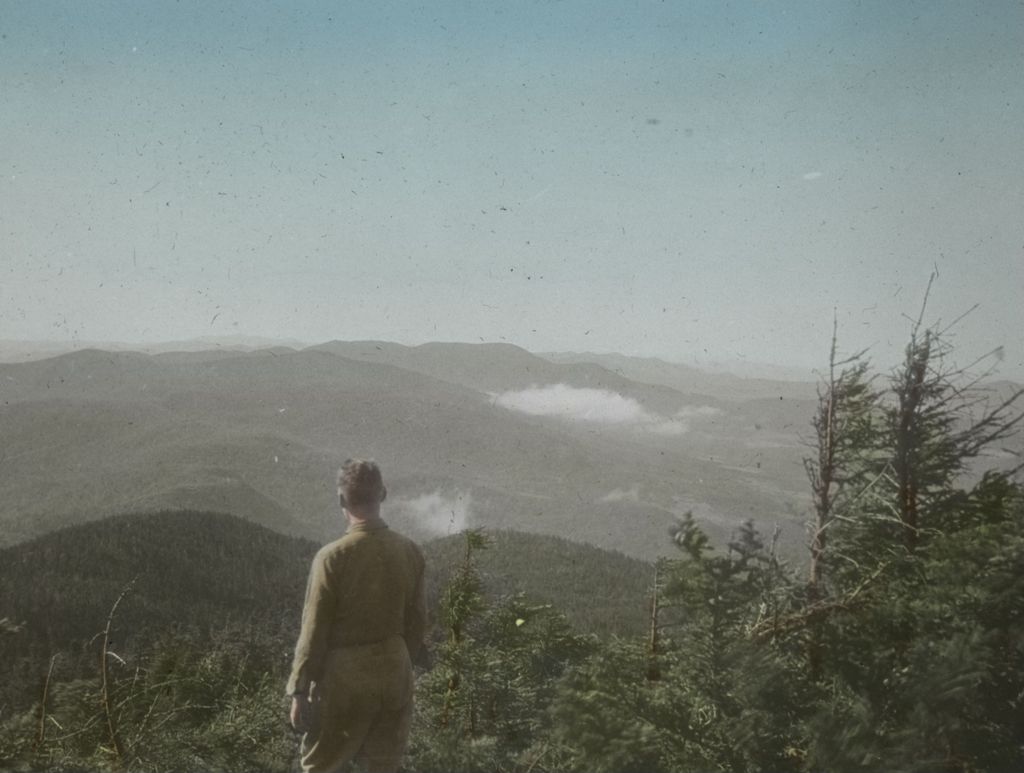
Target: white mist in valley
column 438, row 513
column 599, row 406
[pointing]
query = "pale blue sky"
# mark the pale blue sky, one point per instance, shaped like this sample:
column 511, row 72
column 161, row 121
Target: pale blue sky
column 700, row 181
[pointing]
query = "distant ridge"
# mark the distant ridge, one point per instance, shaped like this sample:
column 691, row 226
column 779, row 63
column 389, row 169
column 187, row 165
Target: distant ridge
column 688, row 378
column 259, row 434
column 27, row 351
column 491, row 367
column 600, row 456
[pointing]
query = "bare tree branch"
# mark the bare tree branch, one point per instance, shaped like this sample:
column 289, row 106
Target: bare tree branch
column 115, row 740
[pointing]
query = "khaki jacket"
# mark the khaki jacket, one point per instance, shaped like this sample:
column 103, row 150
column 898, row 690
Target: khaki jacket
column 363, row 588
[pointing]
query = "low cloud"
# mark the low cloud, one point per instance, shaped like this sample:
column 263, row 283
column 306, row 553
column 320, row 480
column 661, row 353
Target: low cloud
column 439, row 513
column 599, row 406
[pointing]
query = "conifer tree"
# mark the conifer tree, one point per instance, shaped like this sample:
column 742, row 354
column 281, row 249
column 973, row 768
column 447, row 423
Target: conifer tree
column 843, row 425
column 482, row 706
column 723, row 698
column 936, row 420
column 908, row 659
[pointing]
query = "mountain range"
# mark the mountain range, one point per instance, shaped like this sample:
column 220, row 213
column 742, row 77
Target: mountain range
column 468, row 435
column 598, row 449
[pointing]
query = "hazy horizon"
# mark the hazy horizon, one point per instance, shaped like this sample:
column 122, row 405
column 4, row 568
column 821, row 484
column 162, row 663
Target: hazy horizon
column 698, row 182
column 13, row 351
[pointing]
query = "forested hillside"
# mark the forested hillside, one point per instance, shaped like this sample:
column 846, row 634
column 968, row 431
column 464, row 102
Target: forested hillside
column 189, row 573
column 599, row 591
column 200, row 574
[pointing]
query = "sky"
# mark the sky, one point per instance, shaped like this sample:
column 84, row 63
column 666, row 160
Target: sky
column 701, row 181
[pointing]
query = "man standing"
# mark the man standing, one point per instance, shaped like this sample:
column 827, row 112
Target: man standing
column 363, row 621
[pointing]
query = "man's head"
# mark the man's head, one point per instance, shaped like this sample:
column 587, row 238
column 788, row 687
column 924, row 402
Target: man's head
column 360, row 485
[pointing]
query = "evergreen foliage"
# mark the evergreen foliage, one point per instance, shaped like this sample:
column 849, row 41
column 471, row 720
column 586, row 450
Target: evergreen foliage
column 481, row 707
column 556, row 571
column 718, row 698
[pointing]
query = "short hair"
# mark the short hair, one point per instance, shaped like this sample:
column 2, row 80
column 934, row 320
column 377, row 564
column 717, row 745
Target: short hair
column 360, row 483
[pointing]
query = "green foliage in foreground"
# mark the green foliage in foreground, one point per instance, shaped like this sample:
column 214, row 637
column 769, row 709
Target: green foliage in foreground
column 190, row 704
column 924, row 671
column 903, row 649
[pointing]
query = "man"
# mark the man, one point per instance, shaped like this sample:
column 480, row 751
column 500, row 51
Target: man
column 363, row 620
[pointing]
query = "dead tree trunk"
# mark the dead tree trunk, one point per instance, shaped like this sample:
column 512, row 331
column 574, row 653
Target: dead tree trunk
column 115, row 739
column 41, row 736
column 845, row 404
column 908, row 440
column 653, row 666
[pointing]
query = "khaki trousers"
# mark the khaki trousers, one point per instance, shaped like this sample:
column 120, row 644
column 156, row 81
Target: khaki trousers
column 362, row 709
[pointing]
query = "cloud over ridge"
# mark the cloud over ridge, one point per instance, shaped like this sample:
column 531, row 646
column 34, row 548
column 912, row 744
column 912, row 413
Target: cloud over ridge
column 599, row 406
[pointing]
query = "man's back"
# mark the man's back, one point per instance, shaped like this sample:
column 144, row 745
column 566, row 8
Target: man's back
column 363, row 588
column 378, row 575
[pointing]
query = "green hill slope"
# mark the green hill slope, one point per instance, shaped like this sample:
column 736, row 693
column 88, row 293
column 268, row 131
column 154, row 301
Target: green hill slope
column 194, row 572
column 204, row 573
column 600, row 591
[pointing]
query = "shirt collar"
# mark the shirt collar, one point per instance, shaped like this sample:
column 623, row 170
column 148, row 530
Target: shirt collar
column 370, row 524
